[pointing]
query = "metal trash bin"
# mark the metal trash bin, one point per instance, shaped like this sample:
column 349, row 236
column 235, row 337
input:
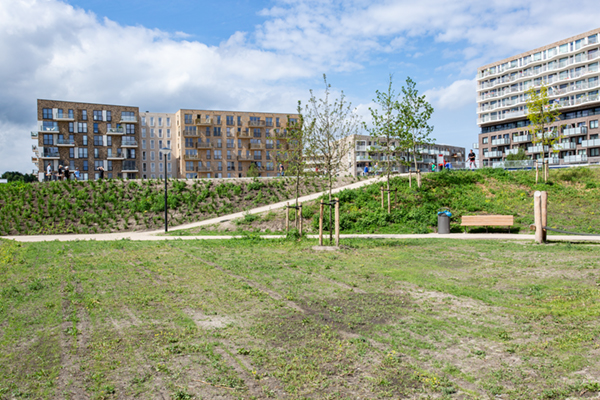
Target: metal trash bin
column 444, row 222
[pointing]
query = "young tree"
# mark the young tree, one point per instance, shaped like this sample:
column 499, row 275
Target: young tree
column 293, row 157
column 387, row 129
column 327, row 126
column 415, row 113
column 542, row 115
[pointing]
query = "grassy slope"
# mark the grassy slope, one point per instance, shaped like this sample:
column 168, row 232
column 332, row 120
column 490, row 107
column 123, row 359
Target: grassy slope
column 378, row 319
column 115, row 205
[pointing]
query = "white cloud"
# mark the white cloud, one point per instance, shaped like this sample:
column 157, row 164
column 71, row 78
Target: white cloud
column 455, row 96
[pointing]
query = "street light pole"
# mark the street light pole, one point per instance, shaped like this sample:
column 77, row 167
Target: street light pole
column 165, row 151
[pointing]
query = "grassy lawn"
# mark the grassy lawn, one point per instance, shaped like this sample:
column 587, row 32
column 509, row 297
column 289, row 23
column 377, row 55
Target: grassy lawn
column 252, row 318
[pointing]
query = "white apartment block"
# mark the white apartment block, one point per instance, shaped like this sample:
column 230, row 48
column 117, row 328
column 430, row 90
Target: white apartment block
column 569, row 68
column 157, row 131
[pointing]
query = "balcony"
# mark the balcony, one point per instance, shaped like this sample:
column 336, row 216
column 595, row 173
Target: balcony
column 565, row 146
column 204, row 145
column 191, row 157
column 363, row 158
column 500, row 142
column 203, row 121
column 244, row 135
column 244, row 158
column 48, row 128
column 580, row 130
column 129, row 166
column 258, row 123
column 35, row 159
column 188, row 132
column 50, row 153
column 129, row 119
column 119, row 130
column 512, row 151
column 257, row 146
column 538, row 149
column 129, row 142
column 522, row 139
column 34, row 135
column 63, row 117
column 65, row 142
column 204, row 168
column 493, row 154
column 119, row 155
column 579, row 158
column 591, row 143
column 34, row 148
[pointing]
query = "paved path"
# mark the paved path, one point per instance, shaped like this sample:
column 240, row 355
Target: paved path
column 159, row 234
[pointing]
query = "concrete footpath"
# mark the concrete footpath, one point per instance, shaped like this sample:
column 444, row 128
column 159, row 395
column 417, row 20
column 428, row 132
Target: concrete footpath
column 160, row 234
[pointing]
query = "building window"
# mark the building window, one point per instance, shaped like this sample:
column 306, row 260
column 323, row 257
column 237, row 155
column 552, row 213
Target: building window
column 229, row 120
column 83, row 152
column 97, row 140
column 152, row 156
column 95, row 127
column 47, row 113
column 168, row 122
column 71, row 152
column 594, row 152
column 82, row 127
column 84, row 115
column 71, row 127
column 594, row 124
column 217, row 154
column 484, row 140
column 96, row 153
column 97, row 115
column 48, row 140
column 109, row 116
column 217, row 131
column 168, row 133
column 160, row 121
column 188, row 118
column 129, row 129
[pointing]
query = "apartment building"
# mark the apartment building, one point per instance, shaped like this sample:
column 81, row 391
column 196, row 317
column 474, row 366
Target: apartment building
column 157, row 132
column 569, row 68
column 86, row 136
column 365, row 150
column 228, row 144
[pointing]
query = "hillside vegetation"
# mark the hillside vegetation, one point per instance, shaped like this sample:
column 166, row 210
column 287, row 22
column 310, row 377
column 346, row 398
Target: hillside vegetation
column 573, row 198
column 116, row 205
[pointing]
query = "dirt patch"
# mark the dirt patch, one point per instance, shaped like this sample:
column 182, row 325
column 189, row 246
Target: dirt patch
column 208, row 321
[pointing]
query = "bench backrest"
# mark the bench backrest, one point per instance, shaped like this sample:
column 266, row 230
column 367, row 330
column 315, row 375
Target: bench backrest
column 483, row 220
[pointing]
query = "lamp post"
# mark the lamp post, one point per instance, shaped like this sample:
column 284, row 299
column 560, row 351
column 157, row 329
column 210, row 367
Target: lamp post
column 165, row 151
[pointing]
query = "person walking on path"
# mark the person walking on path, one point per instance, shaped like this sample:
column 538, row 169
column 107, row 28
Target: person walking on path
column 76, row 173
column 366, row 170
column 432, row 167
column 101, row 174
column 67, row 173
column 471, row 157
column 49, row 172
column 61, row 172
column 281, row 170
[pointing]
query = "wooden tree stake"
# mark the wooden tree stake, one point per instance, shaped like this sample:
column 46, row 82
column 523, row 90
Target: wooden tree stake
column 381, row 196
column 300, row 216
column 321, row 224
column 287, row 217
column 537, row 213
column 337, row 221
column 544, row 211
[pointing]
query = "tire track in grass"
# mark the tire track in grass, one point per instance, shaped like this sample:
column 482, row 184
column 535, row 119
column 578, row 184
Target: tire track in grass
column 382, row 347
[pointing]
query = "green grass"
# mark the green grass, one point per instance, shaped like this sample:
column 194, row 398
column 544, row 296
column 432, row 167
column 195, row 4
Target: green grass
column 254, row 318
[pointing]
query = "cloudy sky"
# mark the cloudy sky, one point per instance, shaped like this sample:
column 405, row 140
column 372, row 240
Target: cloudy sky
column 260, row 55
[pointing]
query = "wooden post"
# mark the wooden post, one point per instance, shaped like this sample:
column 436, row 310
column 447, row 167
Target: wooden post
column 418, row 178
column 321, row 224
column 409, row 178
column 337, row 221
column 287, row 217
column 381, row 196
column 389, row 202
column 535, row 163
column 300, row 216
column 537, row 213
column 544, row 212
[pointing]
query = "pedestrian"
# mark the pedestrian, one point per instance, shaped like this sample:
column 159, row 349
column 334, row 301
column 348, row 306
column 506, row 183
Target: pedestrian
column 67, row 173
column 432, row 167
column 282, row 172
column 101, row 174
column 471, row 157
column 48, row 172
column 366, row 170
column 61, row 172
column 76, row 173
column 376, row 169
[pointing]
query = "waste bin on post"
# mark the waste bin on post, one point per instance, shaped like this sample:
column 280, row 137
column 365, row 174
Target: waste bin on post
column 444, row 222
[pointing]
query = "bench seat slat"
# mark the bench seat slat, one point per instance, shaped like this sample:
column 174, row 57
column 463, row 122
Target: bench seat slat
column 487, row 220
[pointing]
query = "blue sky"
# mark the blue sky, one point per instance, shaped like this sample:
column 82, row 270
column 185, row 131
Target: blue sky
column 260, row 55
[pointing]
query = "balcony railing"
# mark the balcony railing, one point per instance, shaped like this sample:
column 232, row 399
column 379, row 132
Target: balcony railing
column 537, row 149
column 65, row 142
column 119, row 130
column 204, row 145
column 50, row 153
column 565, row 146
column 244, row 158
column 191, row 157
column 256, row 123
column 257, row 146
column 203, row 121
column 494, row 154
column 34, row 135
column 580, row 130
column 189, row 132
column 591, row 143
column 128, row 118
column 118, row 155
column 579, row 158
column 129, row 166
column 64, row 117
column 522, row 139
column 204, row 168
column 512, row 151
column 129, row 142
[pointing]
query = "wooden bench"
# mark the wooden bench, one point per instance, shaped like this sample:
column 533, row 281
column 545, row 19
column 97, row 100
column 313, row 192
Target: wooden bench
column 487, row 220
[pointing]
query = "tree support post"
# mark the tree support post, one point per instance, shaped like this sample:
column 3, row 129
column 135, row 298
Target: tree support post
column 287, row 217
column 389, row 202
column 535, row 164
column 337, row 221
column 300, row 217
column 409, row 178
column 544, row 211
column 321, row 224
column 537, row 213
column 381, row 196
